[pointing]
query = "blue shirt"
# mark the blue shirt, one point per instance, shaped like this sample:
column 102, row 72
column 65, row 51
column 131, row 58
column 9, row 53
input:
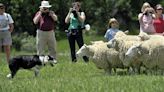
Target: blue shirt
column 110, row 33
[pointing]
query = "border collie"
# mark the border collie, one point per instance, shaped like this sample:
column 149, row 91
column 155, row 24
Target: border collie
column 31, row 62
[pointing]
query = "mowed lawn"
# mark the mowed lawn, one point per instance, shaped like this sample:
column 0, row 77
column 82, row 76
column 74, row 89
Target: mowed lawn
column 75, row 77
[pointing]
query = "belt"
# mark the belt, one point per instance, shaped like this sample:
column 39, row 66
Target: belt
column 45, row 30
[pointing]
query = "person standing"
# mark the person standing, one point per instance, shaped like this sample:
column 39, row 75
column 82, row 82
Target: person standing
column 146, row 19
column 75, row 18
column 45, row 21
column 159, row 20
column 113, row 28
column 6, row 27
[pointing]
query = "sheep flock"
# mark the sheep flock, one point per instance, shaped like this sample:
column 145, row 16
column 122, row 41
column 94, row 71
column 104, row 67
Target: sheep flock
column 136, row 54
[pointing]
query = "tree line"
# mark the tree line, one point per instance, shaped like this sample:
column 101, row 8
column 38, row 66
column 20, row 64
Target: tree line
column 97, row 12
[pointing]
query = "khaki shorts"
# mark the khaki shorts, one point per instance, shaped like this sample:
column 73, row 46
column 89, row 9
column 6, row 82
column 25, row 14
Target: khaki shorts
column 5, row 38
column 46, row 39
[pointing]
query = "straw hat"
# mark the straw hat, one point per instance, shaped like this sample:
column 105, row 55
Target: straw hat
column 113, row 20
column 45, row 4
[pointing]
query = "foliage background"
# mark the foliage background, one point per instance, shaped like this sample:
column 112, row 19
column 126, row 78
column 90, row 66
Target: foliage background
column 98, row 12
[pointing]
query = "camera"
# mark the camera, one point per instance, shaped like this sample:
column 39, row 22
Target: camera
column 74, row 13
column 148, row 13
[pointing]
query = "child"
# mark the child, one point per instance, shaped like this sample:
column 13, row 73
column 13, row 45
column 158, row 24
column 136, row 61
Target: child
column 112, row 29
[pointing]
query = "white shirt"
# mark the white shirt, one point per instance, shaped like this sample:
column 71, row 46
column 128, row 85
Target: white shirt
column 5, row 20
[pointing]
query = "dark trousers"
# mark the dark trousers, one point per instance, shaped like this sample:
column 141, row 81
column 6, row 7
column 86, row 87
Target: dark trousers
column 78, row 37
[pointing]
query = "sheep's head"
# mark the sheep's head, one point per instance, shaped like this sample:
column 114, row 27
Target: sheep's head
column 83, row 51
column 113, row 44
column 119, row 34
column 134, row 51
column 144, row 36
column 109, row 44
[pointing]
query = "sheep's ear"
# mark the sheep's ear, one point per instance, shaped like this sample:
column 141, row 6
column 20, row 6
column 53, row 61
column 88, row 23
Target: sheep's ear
column 84, row 45
column 139, row 52
column 138, row 45
column 92, row 42
column 114, row 41
column 126, row 32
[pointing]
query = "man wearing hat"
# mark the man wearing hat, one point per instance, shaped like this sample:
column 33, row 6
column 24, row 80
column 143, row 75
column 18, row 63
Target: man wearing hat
column 45, row 22
column 6, row 27
column 159, row 20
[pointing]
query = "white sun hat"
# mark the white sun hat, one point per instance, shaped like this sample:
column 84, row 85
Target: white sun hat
column 45, row 4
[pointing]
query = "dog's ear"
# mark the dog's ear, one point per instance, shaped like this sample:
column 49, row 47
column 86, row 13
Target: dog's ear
column 51, row 57
column 36, row 56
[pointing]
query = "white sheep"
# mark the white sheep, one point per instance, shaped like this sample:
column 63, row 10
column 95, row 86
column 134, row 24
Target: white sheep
column 122, row 44
column 103, row 57
column 149, row 52
column 122, row 35
column 122, row 47
column 144, row 36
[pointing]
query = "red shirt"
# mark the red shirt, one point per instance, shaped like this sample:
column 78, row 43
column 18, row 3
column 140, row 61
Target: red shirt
column 46, row 23
column 159, row 25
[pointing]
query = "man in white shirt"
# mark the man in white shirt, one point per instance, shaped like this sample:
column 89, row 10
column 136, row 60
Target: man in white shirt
column 6, row 27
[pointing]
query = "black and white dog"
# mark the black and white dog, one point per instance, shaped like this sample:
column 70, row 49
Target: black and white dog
column 31, row 62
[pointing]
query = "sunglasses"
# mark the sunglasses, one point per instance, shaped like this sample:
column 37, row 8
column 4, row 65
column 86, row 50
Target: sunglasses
column 160, row 9
column 45, row 8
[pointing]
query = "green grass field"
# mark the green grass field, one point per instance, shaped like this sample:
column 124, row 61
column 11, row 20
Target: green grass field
column 75, row 77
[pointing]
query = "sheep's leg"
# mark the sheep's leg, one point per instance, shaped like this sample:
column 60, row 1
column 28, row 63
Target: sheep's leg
column 108, row 71
column 143, row 70
column 149, row 71
column 130, row 70
column 136, row 70
column 114, row 69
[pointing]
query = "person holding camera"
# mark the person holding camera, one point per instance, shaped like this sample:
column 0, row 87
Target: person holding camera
column 45, row 22
column 159, row 21
column 75, row 18
column 6, row 27
column 146, row 19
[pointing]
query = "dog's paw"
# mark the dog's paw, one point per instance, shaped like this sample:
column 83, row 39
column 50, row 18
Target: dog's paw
column 55, row 62
column 9, row 76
